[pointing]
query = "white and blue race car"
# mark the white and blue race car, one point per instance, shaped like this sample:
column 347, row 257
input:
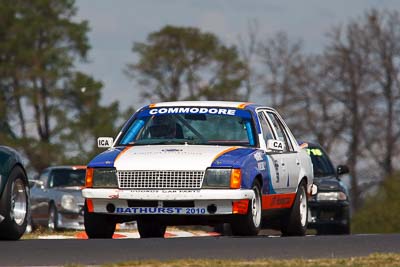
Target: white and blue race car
column 199, row 162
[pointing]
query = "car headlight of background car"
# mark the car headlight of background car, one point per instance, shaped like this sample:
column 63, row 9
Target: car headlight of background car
column 101, row 177
column 222, row 178
column 68, row 203
column 331, row 196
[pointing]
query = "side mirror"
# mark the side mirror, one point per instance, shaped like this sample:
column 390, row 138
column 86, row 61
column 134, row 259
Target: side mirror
column 105, row 142
column 275, row 145
column 342, row 169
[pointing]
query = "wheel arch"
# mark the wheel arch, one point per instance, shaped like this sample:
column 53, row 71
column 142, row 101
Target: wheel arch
column 19, row 164
column 51, row 203
column 304, row 180
column 10, row 159
column 13, row 163
column 259, row 179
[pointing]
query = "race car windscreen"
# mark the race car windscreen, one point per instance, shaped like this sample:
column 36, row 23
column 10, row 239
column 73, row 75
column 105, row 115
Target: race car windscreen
column 191, row 125
column 321, row 163
column 67, row 178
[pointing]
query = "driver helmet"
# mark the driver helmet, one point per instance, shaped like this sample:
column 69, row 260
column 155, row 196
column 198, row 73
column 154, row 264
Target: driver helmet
column 163, row 126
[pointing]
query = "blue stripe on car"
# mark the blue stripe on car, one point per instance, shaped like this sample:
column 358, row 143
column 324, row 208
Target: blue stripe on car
column 106, row 159
column 270, row 189
column 244, row 158
column 232, row 158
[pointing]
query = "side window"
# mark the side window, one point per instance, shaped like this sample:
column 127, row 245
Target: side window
column 266, row 129
column 280, row 131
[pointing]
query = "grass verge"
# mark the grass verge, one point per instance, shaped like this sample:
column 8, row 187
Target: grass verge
column 373, row 260
column 46, row 232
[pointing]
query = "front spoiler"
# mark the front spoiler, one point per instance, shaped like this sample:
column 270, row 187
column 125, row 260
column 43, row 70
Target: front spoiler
column 203, row 194
column 204, row 202
column 70, row 221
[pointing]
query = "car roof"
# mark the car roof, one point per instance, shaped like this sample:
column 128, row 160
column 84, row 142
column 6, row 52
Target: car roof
column 228, row 104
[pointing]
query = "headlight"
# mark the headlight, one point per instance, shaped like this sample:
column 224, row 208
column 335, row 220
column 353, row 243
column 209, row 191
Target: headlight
column 68, row 203
column 331, row 196
column 222, row 178
column 105, row 177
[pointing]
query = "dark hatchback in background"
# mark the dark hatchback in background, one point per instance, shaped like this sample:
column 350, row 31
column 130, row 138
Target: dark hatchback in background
column 56, row 198
column 329, row 209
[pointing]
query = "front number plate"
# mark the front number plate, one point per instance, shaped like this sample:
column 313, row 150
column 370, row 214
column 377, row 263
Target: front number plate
column 160, row 210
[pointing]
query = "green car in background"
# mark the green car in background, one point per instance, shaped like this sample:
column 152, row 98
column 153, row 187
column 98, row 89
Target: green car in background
column 14, row 195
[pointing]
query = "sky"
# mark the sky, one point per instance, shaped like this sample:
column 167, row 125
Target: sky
column 117, row 24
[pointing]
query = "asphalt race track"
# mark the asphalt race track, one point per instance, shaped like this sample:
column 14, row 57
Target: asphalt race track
column 93, row 252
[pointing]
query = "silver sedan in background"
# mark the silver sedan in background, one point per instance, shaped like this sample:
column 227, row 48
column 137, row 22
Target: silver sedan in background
column 56, row 198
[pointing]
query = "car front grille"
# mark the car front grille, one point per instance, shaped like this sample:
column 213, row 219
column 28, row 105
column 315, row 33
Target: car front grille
column 160, row 179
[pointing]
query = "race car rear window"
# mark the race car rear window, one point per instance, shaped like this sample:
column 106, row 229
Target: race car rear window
column 196, row 125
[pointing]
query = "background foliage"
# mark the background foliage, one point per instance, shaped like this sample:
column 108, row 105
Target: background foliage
column 49, row 111
column 379, row 213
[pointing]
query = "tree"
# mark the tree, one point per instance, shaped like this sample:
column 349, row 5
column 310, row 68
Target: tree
column 183, row 63
column 41, row 41
column 347, row 98
column 7, row 13
column 87, row 119
column 382, row 30
column 282, row 62
column 295, row 84
column 349, row 60
column 364, row 65
column 248, row 53
column 319, row 117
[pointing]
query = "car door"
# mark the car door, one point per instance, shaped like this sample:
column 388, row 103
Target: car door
column 278, row 170
column 289, row 157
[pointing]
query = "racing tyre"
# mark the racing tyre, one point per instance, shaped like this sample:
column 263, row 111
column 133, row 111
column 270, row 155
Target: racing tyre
column 295, row 223
column 52, row 223
column 249, row 224
column 98, row 225
column 148, row 229
column 224, row 229
column 344, row 230
column 15, row 202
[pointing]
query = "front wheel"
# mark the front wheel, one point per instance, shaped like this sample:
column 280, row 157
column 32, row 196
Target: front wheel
column 295, row 223
column 250, row 224
column 98, row 225
column 224, row 229
column 15, row 201
column 148, row 228
column 52, row 223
